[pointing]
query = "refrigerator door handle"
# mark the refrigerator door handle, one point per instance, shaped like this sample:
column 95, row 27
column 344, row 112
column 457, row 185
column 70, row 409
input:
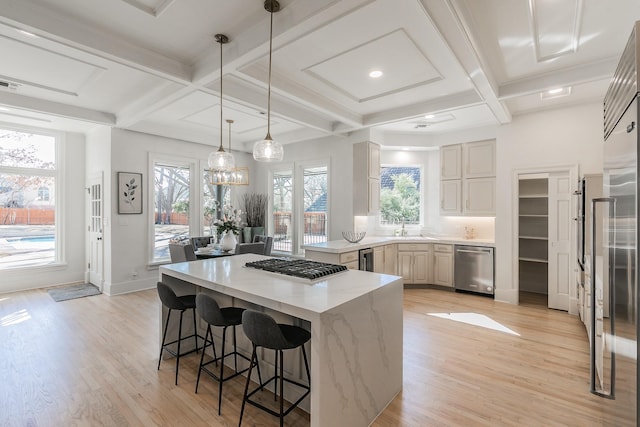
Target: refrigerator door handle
column 592, row 342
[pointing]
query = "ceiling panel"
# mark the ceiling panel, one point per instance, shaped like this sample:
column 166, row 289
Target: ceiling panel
column 402, row 63
column 153, row 65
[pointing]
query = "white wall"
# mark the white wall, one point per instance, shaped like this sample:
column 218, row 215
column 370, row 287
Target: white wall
column 71, row 270
column 571, row 136
column 129, row 234
column 339, row 153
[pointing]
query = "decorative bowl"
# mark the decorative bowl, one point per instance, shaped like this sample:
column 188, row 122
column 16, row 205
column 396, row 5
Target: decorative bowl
column 353, row 237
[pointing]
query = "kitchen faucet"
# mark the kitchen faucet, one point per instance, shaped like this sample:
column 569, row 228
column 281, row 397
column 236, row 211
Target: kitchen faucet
column 403, row 232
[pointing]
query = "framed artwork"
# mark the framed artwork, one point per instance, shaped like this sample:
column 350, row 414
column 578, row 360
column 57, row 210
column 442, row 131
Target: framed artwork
column 129, row 193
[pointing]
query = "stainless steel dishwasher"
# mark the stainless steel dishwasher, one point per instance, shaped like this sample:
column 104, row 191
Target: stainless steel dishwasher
column 474, row 268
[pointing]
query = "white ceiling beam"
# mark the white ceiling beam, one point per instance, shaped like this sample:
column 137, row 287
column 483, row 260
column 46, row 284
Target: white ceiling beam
column 238, row 91
column 601, row 70
column 70, row 32
column 445, row 103
column 56, row 109
column 449, row 18
column 301, row 95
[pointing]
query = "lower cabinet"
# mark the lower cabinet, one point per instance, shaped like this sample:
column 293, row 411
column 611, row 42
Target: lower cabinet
column 348, row 259
column 415, row 262
column 384, row 259
column 443, row 265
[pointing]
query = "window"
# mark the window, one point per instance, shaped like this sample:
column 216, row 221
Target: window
column 171, row 206
column 400, row 195
column 215, row 197
column 300, row 207
column 43, row 194
column 28, row 220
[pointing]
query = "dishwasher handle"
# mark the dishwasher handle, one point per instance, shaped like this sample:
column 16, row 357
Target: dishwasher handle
column 474, row 251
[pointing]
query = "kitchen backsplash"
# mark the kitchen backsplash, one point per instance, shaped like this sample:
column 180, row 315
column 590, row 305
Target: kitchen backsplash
column 444, row 226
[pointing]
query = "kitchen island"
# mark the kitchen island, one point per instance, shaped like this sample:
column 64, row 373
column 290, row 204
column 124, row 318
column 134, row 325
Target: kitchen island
column 355, row 319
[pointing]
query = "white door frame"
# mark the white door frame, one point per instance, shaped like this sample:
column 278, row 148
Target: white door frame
column 573, row 171
column 95, row 232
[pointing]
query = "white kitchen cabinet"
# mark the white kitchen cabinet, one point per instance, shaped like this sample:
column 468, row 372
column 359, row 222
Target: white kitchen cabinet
column 348, row 259
column 443, row 265
column 414, row 262
column 479, row 159
column 384, row 259
column 366, row 178
column 479, row 195
column 467, row 179
column 451, row 197
column 451, row 162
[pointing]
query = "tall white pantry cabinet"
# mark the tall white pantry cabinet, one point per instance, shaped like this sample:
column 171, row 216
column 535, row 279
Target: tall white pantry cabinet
column 468, row 179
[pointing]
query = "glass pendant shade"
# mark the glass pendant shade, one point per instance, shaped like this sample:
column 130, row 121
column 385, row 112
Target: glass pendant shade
column 221, row 160
column 268, row 150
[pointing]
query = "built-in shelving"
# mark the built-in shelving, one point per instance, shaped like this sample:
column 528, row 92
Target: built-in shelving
column 533, row 233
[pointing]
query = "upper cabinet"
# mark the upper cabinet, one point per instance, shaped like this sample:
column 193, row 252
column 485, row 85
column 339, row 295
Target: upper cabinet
column 479, row 159
column 451, row 162
column 467, row 178
column 366, row 178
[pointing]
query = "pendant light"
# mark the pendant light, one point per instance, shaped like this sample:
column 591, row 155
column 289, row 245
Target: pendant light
column 237, row 175
column 221, row 160
column 269, row 150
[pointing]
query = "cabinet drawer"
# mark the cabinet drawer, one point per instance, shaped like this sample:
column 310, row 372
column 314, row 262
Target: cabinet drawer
column 348, row 257
column 353, row 265
column 442, row 248
column 414, row 246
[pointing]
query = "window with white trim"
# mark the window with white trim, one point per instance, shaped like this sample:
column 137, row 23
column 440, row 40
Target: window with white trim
column 29, row 216
column 400, row 195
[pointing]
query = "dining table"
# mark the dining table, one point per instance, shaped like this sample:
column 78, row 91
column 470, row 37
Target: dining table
column 205, row 253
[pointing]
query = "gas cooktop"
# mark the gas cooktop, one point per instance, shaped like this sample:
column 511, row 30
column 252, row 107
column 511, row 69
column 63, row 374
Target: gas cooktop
column 303, row 268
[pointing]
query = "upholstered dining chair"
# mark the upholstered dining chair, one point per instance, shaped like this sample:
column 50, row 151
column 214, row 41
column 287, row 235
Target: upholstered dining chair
column 268, row 243
column 250, row 248
column 181, row 253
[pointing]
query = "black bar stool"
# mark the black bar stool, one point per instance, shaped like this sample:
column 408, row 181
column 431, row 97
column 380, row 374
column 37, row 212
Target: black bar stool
column 182, row 303
column 263, row 331
column 210, row 312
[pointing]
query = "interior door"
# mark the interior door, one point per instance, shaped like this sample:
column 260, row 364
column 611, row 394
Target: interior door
column 559, row 241
column 96, row 242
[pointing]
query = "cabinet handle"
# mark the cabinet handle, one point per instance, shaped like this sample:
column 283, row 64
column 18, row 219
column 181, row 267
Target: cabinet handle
column 612, row 302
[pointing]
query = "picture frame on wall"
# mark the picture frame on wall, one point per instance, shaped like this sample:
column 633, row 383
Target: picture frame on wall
column 129, row 193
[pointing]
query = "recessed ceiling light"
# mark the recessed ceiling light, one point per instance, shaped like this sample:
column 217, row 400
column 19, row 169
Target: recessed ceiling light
column 375, row 74
column 27, row 33
column 555, row 93
column 430, row 116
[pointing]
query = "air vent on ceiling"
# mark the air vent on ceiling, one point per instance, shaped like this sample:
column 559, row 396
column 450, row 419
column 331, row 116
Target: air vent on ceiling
column 8, row 85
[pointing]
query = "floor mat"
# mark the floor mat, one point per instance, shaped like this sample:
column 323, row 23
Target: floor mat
column 71, row 292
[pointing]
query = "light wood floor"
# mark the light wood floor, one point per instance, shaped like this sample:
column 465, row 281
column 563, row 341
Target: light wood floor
column 92, row 361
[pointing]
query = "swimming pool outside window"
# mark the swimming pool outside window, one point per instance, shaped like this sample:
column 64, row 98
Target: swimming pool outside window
column 28, row 177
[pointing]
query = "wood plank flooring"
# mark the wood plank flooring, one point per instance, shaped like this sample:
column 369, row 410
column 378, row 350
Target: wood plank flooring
column 92, row 362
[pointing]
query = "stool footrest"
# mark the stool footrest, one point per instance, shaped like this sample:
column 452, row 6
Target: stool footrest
column 221, row 360
column 271, row 411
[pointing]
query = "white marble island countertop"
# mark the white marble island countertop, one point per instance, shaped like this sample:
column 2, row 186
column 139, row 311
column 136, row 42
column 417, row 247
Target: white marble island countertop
column 342, row 246
column 295, row 296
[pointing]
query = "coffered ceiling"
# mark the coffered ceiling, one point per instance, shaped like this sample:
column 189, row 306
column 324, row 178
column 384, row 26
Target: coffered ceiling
column 153, row 65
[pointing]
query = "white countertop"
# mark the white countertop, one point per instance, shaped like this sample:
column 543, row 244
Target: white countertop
column 288, row 294
column 341, row 246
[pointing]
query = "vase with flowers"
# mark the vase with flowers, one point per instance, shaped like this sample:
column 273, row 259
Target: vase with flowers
column 229, row 225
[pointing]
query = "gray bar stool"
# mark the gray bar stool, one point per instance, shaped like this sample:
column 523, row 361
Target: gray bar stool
column 210, row 312
column 263, row 331
column 181, row 303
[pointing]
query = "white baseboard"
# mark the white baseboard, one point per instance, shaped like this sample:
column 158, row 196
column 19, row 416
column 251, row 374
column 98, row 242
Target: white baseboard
column 130, row 286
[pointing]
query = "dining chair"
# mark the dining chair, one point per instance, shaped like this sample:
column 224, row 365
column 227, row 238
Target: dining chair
column 268, row 243
column 250, row 248
column 181, row 253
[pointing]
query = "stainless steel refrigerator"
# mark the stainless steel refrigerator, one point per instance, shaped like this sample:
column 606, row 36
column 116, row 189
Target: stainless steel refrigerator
column 614, row 345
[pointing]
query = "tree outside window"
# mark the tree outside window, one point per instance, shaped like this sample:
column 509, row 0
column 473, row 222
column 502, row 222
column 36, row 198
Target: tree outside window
column 400, row 196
